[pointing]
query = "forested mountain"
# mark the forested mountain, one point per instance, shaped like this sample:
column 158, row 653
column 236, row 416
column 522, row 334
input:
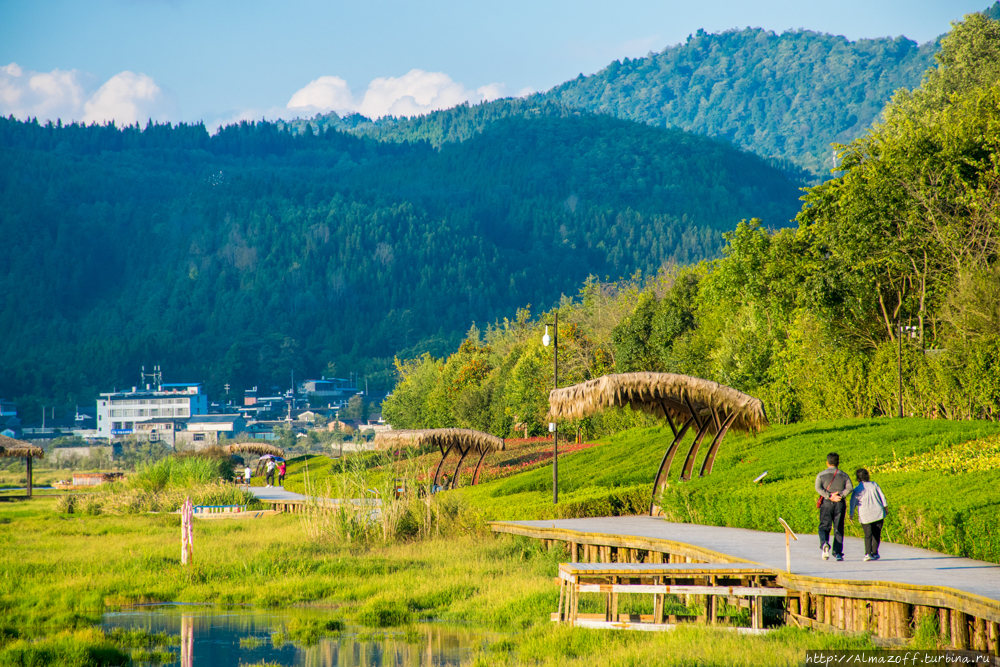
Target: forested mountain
column 885, row 299
column 238, row 257
column 785, row 96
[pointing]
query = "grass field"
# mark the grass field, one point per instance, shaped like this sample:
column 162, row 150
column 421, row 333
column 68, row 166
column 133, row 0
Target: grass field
column 59, row 572
column 942, row 479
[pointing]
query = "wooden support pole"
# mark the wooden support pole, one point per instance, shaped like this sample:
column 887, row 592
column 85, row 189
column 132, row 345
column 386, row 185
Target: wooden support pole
column 959, row 630
column 904, row 618
column 664, row 471
column 944, row 624
column 562, row 595
column 795, row 606
column 30, row 481
column 993, row 638
column 979, row 642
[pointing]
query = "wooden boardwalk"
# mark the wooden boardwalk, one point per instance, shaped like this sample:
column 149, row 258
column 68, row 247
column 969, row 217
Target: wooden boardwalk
column 904, row 585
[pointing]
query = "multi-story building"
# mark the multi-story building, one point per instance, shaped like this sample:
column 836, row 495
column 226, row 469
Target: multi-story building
column 118, row 412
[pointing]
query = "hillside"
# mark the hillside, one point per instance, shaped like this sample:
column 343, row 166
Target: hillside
column 239, row 257
column 616, row 478
column 785, row 96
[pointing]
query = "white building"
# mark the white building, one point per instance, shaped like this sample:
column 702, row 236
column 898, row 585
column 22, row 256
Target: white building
column 118, row 412
column 209, row 429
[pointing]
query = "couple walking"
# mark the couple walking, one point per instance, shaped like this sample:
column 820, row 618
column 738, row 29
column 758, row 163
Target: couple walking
column 833, row 485
column 270, row 473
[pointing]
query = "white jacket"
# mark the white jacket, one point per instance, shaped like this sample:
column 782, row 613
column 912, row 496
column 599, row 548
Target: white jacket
column 869, row 498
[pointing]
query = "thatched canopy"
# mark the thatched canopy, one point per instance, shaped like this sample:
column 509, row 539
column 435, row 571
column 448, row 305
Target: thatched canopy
column 10, row 448
column 259, row 448
column 661, row 395
column 465, row 440
column 461, row 438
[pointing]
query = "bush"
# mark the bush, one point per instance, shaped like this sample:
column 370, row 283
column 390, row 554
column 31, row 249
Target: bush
column 385, row 614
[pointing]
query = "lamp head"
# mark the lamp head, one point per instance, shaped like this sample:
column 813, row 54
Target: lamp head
column 545, row 339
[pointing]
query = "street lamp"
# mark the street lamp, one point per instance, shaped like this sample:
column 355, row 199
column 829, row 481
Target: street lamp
column 553, row 428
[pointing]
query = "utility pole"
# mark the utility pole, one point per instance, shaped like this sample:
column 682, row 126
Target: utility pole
column 899, row 360
column 553, row 427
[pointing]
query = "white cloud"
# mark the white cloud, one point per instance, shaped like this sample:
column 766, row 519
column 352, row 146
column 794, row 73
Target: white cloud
column 330, row 93
column 415, row 93
column 128, row 98
column 43, row 95
column 125, row 98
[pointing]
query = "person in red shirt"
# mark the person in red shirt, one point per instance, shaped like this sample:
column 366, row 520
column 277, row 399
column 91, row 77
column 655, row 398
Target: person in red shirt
column 281, row 474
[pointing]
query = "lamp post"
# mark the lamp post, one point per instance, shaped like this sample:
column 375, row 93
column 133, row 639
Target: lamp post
column 555, row 385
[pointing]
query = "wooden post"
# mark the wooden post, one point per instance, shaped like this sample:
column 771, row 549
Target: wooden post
column 993, row 638
column 614, row 602
column 30, row 485
column 944, row 624
column 979, row 634
column 959, row 630
column 187, row 549
column 794, row 605
column 562, row 595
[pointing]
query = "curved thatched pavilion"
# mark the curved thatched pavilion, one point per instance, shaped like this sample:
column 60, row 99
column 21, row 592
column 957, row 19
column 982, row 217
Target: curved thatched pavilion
column 464, row 440
column 9, row 448
column 683, row 401
column 258, row 448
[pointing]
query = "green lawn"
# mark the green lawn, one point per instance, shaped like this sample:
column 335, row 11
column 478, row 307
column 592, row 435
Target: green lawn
column 939, row 510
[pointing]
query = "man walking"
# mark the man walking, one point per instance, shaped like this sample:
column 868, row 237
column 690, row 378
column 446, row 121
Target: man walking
column 270, row 474
column 833, row 485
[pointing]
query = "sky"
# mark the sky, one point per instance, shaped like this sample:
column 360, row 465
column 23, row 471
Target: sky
column 219, row 61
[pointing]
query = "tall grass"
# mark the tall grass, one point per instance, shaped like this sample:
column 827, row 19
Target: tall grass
column 164, row 485
column 382, row 504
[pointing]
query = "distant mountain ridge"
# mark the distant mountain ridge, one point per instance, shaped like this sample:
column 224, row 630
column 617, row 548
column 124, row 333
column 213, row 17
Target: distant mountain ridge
column 785, row 97
column 237, row 257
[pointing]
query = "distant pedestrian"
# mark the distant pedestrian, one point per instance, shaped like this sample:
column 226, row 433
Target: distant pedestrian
column 871, row 503
column 833, row 485
column 270, row 473
column 281, row 474
column 246, row 475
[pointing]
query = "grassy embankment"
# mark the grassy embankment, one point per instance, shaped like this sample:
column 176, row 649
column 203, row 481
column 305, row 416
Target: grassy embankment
column 938, row 500
column 941, row 478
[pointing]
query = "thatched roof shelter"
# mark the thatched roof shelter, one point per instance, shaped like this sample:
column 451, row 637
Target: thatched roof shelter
column 683, row 401
column 465, row 440
column 661, row 395
column 258, row 448
column 10, row 448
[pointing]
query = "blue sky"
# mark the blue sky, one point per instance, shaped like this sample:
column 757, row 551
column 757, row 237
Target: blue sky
column 218, row 61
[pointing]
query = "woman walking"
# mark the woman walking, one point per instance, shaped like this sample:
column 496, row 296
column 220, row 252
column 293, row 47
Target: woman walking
column 871, row 504
column 281, row 474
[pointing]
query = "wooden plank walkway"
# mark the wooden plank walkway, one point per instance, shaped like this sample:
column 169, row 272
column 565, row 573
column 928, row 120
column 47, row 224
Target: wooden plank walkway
column 906, row 583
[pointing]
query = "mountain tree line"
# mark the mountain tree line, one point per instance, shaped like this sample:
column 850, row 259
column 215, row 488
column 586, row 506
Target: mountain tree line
column 239, row 257
column 897, row 255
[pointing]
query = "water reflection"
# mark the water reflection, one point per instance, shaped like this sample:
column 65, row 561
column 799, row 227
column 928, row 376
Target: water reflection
column 228, row 638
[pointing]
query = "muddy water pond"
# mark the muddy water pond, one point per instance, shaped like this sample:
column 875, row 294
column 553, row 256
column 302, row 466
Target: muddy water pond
column 216, row 637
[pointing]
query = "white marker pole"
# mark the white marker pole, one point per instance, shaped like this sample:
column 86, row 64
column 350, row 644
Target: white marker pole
column 789, row 535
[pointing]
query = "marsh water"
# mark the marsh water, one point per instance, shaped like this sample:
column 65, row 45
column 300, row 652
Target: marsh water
column 214, row 637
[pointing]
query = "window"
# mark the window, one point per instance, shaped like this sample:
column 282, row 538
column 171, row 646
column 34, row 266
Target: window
column 199, row 437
